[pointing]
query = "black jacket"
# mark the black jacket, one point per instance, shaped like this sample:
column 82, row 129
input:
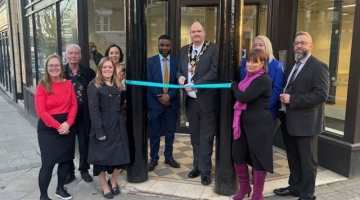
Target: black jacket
column 87, row 75
column 97, row 57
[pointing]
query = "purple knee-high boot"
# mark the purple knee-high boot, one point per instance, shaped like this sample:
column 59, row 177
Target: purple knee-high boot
column 259, row 180
column 243, row 179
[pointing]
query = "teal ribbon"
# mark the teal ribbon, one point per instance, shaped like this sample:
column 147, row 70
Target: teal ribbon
column 152, row 84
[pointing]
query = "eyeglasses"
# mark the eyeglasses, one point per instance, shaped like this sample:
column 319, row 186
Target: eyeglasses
column 302, row 43
column 54, row 66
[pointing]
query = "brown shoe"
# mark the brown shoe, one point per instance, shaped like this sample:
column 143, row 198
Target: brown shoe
column 172, row 162
column 152, row 165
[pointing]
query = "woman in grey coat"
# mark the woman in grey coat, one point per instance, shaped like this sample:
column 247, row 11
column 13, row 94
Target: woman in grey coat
column 109, row 145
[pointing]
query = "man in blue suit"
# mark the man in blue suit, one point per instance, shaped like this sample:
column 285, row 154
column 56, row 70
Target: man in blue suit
column 163, row 103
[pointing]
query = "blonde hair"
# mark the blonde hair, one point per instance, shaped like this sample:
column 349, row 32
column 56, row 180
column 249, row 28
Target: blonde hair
column 99, row 78
column 268, row 46
column 46, row 80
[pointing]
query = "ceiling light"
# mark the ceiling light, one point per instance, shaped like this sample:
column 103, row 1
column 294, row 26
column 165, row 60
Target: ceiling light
column 331, row 8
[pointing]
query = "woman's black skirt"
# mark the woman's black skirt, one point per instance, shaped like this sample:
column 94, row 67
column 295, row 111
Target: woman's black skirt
column 55, row 148
column 97, row 169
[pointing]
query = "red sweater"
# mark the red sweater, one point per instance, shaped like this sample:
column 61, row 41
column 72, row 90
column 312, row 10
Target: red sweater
column 62, row 100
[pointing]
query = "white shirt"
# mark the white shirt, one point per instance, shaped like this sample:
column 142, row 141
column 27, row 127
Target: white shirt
column 189, row 76
column 303, row 62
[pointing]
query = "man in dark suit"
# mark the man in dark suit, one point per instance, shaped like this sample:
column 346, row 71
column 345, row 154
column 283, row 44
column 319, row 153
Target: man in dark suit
column 305, row 93
column 163, row 103
column 199, row 65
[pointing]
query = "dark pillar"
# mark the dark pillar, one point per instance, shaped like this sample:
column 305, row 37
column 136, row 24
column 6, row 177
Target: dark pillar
column 230, row 50
column 136, row 96
column 83, row 31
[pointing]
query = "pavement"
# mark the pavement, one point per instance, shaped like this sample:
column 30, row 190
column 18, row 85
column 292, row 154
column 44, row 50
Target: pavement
column 20, row 163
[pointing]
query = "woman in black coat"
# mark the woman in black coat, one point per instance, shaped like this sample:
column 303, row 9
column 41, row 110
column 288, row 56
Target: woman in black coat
column 109, row 145
column 253, row 125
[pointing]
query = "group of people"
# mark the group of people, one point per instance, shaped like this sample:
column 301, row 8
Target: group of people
column 68, row 99
column 267, row 95
column 71, row 97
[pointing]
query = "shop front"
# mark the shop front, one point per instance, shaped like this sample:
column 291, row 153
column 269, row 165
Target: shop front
column 6, row 70
column 49, row 26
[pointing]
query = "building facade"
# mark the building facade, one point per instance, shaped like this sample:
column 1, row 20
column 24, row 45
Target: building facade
column 30, row 30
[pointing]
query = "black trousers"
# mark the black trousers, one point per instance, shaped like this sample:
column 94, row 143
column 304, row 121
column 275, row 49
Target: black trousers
column 202, row 130
column 83, row 139
column 302, row 157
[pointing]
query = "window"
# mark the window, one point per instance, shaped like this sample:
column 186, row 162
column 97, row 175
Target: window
column 106, row 21
column 32, row 61
column 46, row 37
column 156, row 25
column 331, row 23
column 5, row 62
column 68, row 25
column 254, row 24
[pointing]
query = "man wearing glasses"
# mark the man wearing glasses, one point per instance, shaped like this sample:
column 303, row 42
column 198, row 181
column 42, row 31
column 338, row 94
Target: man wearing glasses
column 305, row 93
column 80, row 77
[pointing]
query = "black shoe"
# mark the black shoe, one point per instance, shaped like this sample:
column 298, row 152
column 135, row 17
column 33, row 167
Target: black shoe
column 62, row 193
column 70, row 177
column 152, row 165
column 44, row 197
column 108, row 195
column 172, row 162
column 205, row 178
column 194, row 173
column 86, row 176
column 114, row 190
column 303, row 198
column 285, row 192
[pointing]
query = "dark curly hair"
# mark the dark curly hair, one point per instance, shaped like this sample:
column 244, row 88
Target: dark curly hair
column 121, row 53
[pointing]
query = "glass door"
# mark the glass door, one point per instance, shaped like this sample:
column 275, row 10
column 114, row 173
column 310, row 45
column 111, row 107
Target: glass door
column 206, row 13
column 254, row 24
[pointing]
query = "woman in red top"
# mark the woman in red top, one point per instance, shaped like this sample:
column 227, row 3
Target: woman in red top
column 56, row 105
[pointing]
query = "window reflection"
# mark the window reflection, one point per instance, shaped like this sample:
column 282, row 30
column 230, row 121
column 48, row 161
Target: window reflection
column 156, row 25
column 254, row 24
column 68, row 26
column 330, row 23
column 46, row 36
column 5, row 62
column 106, row 25
column 32, row 60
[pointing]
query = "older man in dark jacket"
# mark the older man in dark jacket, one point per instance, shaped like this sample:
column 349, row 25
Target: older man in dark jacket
column 80, row 77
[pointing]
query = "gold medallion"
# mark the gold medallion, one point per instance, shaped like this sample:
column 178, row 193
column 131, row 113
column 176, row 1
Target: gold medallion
column 194, row 61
